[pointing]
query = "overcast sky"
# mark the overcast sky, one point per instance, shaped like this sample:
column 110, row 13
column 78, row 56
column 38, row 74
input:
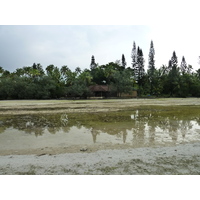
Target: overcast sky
column 22, row 45
column 174, row 26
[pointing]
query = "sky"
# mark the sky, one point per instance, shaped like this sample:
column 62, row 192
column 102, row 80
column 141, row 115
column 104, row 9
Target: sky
column 73, row 45
column 60, row 33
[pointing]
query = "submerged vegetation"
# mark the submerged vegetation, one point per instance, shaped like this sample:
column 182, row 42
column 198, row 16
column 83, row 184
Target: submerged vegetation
column 172, row 80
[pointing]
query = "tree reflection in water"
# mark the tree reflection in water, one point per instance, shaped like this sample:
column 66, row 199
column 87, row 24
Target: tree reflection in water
column 141, row 127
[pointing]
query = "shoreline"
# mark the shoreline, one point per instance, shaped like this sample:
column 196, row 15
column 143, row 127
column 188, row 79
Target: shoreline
column 22, row 107
column 180, row 159
column 102, row 159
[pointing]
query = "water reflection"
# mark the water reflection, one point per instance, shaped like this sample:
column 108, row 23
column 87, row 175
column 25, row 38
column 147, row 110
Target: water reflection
column 151, row 127
column 138, row 127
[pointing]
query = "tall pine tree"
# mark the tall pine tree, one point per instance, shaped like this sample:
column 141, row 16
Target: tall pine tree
column 123, row 61
column 140, row 64
column 151, row 66
column 93, row 64
column 183, row 65
column 174, row 60
column 139, row 72
column 173, row 75
column 134, row 60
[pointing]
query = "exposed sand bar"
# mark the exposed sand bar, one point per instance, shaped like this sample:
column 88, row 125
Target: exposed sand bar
column 56, row 106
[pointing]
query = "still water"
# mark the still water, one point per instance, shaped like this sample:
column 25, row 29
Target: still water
column 144, row 126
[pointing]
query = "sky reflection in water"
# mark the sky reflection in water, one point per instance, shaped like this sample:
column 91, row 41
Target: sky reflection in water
column 139, row 128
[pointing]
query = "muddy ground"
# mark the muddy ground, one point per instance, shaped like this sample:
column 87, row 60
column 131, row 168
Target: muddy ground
column 181, row 159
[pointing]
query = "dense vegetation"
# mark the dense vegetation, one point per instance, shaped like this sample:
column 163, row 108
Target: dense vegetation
column 33, row 82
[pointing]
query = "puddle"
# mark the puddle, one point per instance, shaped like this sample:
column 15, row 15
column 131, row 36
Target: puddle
column 144, row 126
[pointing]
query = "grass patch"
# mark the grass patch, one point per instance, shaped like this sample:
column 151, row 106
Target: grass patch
column 31, row 171
column 107, row 170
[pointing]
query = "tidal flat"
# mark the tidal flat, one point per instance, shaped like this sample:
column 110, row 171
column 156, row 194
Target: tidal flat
column 49, row 129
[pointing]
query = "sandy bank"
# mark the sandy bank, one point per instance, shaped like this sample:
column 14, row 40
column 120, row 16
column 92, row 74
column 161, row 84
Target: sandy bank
column 17, row 107
column 181, row 159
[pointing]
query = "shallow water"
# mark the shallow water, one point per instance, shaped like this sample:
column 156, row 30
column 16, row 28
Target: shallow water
column 139, row 127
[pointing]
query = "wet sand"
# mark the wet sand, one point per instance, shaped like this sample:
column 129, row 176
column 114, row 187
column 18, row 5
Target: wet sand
column 181, row 159
column 62, row 106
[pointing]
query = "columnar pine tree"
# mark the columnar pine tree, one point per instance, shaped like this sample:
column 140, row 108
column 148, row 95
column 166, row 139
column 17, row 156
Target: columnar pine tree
column 151, row 66
column 173, row 74
column 139, row 72
column 123, row 61
column 93, row 64
column 140, row 64
column 174, row 60
column 134, row 60
column 183, row 65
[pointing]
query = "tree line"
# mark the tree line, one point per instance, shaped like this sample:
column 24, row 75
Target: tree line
column 171, row 80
